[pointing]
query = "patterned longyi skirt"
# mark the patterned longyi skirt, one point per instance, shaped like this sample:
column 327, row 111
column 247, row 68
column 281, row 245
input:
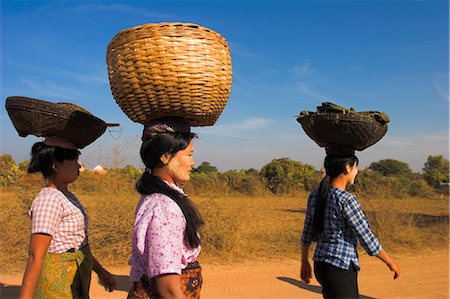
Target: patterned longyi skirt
column 65, row 275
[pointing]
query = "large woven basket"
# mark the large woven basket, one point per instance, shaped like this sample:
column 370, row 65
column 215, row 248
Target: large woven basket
column 343, row 129
column 46, row 119
column 170, row 70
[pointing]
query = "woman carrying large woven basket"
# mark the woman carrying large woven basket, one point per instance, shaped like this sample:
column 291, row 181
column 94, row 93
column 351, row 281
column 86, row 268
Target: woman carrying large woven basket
column 168, row 77
column 165, row 241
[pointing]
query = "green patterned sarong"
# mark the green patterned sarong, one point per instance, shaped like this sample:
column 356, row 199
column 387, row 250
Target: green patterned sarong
column 65, row 275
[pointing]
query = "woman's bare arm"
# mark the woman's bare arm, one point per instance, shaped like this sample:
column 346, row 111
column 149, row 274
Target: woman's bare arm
column 39, row 244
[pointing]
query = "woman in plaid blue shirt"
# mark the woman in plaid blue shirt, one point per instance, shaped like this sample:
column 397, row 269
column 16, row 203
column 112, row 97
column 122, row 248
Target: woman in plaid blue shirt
column 335, row 221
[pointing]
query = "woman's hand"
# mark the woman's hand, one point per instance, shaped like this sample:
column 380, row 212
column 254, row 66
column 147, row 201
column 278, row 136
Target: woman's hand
column 305, row 272
column 107, row 280
column 393, row 266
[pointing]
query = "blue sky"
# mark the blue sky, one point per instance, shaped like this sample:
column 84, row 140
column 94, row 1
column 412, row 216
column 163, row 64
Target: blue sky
column 288, row 56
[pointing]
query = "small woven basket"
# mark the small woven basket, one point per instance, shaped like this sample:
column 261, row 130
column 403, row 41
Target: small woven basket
column 170, row 70
column 47, row 119
column 344, row 130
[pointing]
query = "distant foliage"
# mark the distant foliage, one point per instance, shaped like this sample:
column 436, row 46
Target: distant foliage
column 388, row 178
column 436, row 170
column 24, row 165
column 390, row 167
column 205, row 167
column 231, row 182
column 244, row 182
column 283, row 176
column 9, row 171
column 374, row 184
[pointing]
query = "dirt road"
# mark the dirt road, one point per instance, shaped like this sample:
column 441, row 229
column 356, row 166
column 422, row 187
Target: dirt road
column 422, row 276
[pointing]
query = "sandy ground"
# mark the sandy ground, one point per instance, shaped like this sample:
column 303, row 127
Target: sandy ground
column 422, row 276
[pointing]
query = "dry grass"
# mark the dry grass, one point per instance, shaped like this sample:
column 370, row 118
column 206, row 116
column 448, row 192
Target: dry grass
column 266, row 227
column 409, row 224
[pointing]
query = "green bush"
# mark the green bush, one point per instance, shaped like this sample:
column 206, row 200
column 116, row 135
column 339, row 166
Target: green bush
column 207, row 184
column 244, row 182
column 373, row 183
column 284, row 176
column 436, row 170
column 390, row 167
column 9, row 171
column 205, row 167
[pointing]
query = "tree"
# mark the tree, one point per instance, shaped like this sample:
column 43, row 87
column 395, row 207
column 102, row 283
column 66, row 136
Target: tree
column 251, row 172
column 205, row 167
column 285, row 175
column 436, row 170
column 390, row 167
column 8, row 170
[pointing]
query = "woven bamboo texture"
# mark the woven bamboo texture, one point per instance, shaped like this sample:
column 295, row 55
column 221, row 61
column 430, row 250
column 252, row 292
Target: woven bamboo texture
column 356, row 130
column 170, row 70
column 46, row 119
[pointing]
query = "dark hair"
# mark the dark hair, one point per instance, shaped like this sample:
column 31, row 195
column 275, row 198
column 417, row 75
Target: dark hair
column 151, row 152
column 44, row 156
column 334, row 165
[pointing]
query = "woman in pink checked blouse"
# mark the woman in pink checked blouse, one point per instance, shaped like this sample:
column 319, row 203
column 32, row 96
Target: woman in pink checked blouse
column 165, row 241
column 60, row 261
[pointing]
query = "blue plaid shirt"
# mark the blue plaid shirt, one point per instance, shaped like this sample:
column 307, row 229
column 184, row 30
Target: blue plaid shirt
column 344, row 224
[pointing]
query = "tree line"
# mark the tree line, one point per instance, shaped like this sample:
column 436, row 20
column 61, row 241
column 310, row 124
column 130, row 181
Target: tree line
column 282, row 176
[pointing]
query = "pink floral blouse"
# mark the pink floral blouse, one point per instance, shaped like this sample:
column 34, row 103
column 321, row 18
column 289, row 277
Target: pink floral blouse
column 157, row 240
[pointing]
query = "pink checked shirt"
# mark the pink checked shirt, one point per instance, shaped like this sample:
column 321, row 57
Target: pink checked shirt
column 157, row 241
column 62, row 218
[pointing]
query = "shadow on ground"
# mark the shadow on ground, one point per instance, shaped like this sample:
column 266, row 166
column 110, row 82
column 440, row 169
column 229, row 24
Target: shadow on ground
column 311, row 288
column 9, row 291
column 123, row 282
column 13, row 291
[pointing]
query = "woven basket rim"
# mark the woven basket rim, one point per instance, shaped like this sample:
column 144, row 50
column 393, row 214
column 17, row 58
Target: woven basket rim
column 61, row 109
column 119, row 40
column 362, row 116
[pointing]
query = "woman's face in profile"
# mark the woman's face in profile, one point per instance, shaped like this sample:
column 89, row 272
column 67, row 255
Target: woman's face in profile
column 353, row 171
column 67, row 171
column 180, row 165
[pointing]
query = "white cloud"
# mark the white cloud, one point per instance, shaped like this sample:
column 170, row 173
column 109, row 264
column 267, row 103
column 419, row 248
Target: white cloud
column 89, row 79
column 305, row 89
column 399, row 142
column 49, row 89
column 122, row 8
column 412, row 149
column 252, row 123
column 355, row 67
column 239, row 50
column 236, row 129
column 442, row 91
column 305, row 75
column 248, row 83
column 304, row 70
column 270, row 72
